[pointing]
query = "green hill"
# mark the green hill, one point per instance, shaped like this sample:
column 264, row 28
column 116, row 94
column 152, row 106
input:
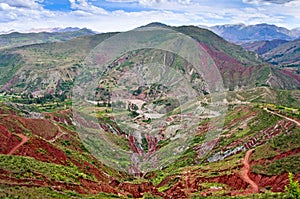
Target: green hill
column 59, row 62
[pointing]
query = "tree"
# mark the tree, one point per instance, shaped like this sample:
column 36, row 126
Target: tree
column 293, row 188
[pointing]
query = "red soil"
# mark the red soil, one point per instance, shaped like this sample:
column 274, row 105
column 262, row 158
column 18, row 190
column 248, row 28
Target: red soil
column 230, row 68
column 24, row 139
column 41, row 127
column 96, row 187
column 290, row 74
column 43, row 151
column 278, row 182
column 137, row 190
column 7, row 139
column 245, row 171
column 186, row 183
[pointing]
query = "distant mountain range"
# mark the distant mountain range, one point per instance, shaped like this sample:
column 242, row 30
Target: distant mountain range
column 57, row 62
column 39, row 30
column 240, row 33
column 276, row 45
column 277, row 52
column 68, row 29
column 16, row 39
column 287, row 54
column 262, row 47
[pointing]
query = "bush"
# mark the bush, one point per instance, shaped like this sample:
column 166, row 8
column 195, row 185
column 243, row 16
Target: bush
column 293, row 188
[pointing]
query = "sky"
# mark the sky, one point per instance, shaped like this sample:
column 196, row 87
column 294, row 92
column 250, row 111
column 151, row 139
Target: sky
column 123, row 15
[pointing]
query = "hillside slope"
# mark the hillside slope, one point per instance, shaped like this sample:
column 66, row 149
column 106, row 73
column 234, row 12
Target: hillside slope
column 145, row 130
column 240, row 33
column 238, row 67
column 53, row 62
column 16, row 39
column 53, row 161
column 287, row 54
column 59, row 62
column 261, row 47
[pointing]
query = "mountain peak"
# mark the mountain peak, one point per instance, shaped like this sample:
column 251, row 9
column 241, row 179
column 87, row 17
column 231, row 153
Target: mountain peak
column 240, row 33
column 67, row 29
column 155, row 24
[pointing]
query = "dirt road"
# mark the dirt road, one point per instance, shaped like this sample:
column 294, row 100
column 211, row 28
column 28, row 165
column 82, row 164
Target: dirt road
column 285, row 117
column 24, row 140
column 245, row 170
column 58, row 135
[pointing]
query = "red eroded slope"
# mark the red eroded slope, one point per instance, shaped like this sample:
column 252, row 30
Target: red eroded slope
column 278, row 182
column 40, row 127
column 234, row 72
column 7, row 140
column 24, row 139
column 291, row 74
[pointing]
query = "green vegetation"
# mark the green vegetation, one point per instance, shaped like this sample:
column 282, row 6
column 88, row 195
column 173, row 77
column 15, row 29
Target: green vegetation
column 293, row 188
column 10, row 63
column 268, row 195
column 281, row 143
column 168, row 185
column 49, row 92
column 287, row 98
column 213, row 41
column 16, row 39
column 286, row 54
column 265, row 121
column 19, row 192
column 277, row 167
column 26, row 166
column 150, row 196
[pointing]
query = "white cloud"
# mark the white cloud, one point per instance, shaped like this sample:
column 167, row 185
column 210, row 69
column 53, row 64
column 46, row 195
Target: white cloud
column 28, row 4
column 184, row 1
column 86, row 6
column 268, row 1
column 153, row 2
column 292, row 9
column 5, row 6
column 13, row 12
column 122, row 1
column 172, row 12
column 165, row 4
column 283, row 12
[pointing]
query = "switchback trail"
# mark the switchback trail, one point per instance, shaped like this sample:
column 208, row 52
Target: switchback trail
column 245, row 171
column 58, row 135
column 285, row 117
column 24, row 140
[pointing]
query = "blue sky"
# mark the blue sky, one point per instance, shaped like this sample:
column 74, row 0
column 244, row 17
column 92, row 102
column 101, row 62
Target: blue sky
column 122, row 15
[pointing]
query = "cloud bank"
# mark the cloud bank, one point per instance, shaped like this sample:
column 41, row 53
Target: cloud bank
column 122, row 15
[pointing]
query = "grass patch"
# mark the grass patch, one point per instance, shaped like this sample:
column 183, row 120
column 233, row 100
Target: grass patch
column 281, row 143
column 26, row 166
column 277, row 167
column 18, row 192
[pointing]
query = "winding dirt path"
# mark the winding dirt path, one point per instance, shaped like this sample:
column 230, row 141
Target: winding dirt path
column 245, row 171
column 24, row 140
column 285, row 117
column 58, row 135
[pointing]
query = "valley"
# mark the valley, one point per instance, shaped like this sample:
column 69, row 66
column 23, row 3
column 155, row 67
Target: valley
column 76, row 123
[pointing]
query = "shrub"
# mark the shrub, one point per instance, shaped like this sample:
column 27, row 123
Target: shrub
column 293, row 188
